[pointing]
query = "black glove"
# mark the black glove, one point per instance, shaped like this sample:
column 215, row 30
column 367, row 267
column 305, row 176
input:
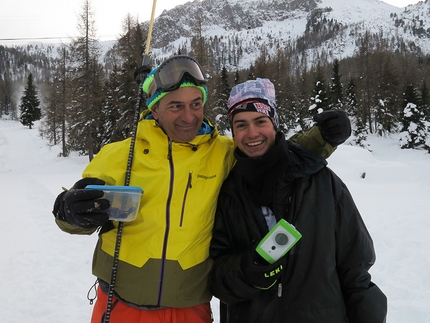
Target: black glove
column 334, row 125
column 258, row 272
column 141, row 70
column 82, row 207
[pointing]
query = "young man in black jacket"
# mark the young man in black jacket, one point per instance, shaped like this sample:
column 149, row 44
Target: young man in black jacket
column 324, row 278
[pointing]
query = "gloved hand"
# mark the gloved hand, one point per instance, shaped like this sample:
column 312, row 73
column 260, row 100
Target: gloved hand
column 143, row 70
column 258, row 272
column 334, row 125
column 82, row 207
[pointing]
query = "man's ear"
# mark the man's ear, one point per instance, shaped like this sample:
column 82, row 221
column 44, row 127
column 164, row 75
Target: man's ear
column 154, row 111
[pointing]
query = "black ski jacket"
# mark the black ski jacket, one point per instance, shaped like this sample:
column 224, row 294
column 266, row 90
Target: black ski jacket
column 326, row 278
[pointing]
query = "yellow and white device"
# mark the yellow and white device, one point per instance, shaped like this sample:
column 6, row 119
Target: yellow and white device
column 280, row 239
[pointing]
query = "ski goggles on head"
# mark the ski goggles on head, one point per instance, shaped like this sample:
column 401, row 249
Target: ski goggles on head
column 170, row 74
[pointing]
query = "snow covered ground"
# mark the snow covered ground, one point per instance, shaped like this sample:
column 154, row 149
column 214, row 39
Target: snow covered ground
column 46, row 274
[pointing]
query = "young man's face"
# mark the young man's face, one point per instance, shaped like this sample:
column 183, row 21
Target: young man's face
column 254, row 133
column 180, row 113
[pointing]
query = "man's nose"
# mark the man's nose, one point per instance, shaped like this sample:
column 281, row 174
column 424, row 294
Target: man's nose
column 188, row 114
column 252, row 131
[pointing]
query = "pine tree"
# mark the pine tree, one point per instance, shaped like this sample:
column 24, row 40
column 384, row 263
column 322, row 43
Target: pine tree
column 261, row 64
column 29, row 106
column 48, row 125
column 425, row 104
column 6, row 101
column 123, row 91
column 416, row 135
column 319, row 98
column 410, row 98
column 199, row 44
column 387, row 109
column 365, row 52
column 57, row 96
column 251, row 73
column 299, row 98
column 290, row 108
column 413, row 123
column 217, row 109
column 336, row 88
column 112, row 109
column 236, row 78
column 84, row 113
column 358, row 123
column 224, row 93
column 424, row 100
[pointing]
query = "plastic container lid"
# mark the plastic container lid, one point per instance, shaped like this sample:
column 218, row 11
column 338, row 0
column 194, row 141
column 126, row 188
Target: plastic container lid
column 132, row 189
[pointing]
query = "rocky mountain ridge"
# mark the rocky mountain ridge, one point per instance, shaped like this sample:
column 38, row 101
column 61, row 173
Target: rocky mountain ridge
column 252, row 24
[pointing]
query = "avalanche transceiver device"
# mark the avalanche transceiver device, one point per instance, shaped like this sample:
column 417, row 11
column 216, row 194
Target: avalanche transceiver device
column 281, row 238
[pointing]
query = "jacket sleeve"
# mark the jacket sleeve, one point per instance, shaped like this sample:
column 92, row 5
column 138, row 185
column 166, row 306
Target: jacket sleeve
column 365, row 302
column 313, row 141
column 66, row 227
column 227, row 280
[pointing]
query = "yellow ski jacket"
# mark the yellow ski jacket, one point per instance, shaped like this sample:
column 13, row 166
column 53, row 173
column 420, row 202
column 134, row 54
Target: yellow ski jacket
column 164, row 251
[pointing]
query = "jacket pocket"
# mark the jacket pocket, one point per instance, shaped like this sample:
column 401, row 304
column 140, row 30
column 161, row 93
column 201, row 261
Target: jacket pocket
column 188, row 186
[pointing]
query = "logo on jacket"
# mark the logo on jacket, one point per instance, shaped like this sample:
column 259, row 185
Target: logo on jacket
column 206, row 177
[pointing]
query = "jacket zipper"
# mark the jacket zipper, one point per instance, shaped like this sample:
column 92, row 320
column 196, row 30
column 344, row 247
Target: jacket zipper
column 189, row 185
column 166, row 233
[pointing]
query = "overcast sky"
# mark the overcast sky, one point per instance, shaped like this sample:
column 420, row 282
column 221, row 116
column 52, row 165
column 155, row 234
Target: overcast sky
column 56, row 20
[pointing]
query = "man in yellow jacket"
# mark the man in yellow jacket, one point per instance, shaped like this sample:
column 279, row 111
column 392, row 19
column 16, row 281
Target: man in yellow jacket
column 180, row 161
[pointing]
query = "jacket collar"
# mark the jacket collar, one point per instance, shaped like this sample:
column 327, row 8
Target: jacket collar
column 285, row 161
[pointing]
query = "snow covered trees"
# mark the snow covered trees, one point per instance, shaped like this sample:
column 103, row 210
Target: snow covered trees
column 219, row 110
column 29, row 106
column 414, row 119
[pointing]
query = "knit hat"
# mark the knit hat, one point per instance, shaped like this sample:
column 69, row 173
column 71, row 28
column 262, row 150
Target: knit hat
column 254, row 95
column 159, row 94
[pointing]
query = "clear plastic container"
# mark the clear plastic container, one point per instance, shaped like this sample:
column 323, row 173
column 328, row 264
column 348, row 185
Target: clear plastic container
column 124, row 201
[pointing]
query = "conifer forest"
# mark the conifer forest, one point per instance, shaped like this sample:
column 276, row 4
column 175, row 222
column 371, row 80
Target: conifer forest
column 85, row 98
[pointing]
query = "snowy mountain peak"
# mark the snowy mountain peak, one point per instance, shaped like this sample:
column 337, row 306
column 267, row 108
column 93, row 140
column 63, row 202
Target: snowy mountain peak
column 251, row 24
